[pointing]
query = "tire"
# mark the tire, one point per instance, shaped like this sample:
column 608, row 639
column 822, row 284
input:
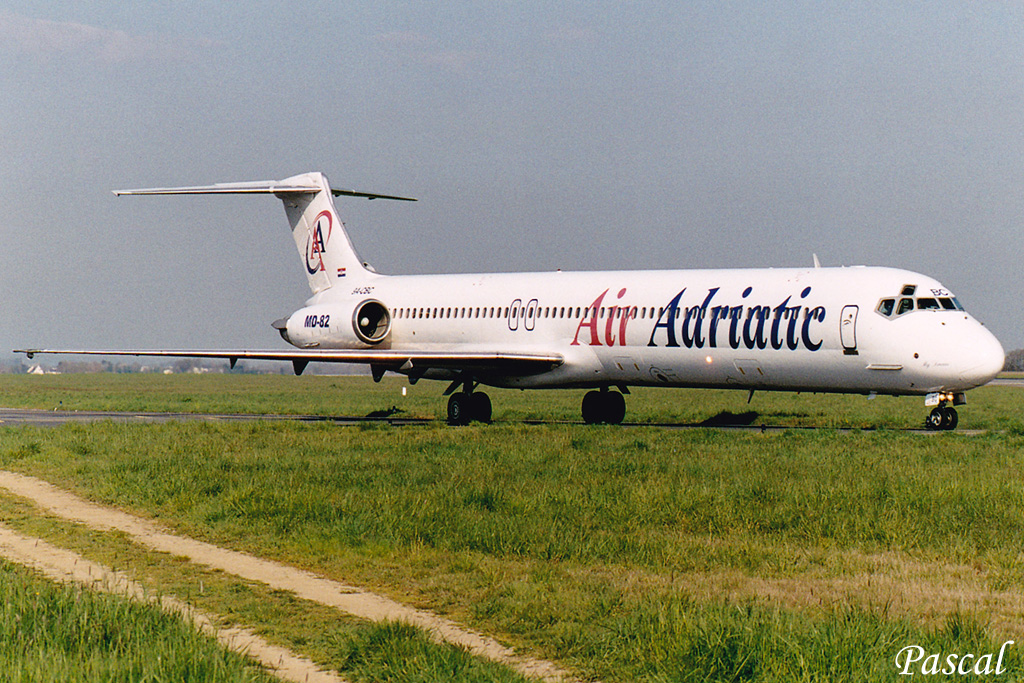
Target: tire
column 592, row 407
column 608, row 407
column 614, row 407
column 480, row 407
column 950, row 419
column 935, row 419
column 459, row 409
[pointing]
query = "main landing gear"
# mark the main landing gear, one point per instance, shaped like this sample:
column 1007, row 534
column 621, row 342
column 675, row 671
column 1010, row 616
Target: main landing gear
column 942, row 418
column 604, row 406
column 468, row 406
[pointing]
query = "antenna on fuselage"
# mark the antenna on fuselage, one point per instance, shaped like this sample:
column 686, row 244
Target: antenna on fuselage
column 817, row 263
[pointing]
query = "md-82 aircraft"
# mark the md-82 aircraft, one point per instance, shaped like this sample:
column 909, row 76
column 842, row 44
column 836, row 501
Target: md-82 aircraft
column 861, row 330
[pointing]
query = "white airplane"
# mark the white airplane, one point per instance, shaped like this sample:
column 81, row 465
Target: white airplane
column 843, row 330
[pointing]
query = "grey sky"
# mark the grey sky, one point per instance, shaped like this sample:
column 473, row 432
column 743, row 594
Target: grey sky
column 536, row 135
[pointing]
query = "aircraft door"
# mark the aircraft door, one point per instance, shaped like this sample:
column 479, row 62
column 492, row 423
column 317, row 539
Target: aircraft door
column 532, row 313
column 513, row 314
column 848, row 330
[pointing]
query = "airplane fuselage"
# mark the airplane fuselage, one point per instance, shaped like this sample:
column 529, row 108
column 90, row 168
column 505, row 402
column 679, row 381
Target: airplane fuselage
column 816, row 329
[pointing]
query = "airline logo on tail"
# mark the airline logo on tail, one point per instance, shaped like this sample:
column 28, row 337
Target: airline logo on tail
column 316, row 242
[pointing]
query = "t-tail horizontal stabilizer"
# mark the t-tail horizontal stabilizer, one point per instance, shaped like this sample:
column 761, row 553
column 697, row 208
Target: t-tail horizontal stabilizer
column 324, row 246
column 276, row 187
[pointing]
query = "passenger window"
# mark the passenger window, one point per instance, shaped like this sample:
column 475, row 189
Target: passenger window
column 885, row 306
column 905, row 306
column 927, row 304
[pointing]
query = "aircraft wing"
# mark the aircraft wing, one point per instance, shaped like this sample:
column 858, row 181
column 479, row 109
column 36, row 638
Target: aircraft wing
column 410, row 362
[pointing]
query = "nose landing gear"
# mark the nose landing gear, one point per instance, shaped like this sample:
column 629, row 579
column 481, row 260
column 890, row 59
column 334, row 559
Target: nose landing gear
column 942, row 418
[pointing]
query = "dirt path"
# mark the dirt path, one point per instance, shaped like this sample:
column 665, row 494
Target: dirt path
column 66, row 566
column 349, row 599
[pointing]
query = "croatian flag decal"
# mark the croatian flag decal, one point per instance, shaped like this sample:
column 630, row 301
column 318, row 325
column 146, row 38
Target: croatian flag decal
column 341, row 272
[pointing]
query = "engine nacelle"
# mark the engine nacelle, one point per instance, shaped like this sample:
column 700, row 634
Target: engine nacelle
column 366, row 323
column 371, row 321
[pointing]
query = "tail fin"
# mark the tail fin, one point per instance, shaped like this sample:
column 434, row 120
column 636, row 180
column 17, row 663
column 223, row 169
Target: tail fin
column 326, row 251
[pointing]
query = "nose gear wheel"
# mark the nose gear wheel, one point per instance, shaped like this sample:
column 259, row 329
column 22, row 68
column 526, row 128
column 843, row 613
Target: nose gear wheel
column 942, row 418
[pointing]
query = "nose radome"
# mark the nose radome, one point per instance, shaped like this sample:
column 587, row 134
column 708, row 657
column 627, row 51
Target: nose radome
column 985, row 359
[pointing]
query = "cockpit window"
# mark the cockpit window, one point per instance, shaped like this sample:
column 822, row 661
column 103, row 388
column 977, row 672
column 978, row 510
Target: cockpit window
column 908, row 290
column 941, row 300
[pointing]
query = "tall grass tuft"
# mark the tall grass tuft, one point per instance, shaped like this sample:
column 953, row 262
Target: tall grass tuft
column 393, row 652
column 61, row 633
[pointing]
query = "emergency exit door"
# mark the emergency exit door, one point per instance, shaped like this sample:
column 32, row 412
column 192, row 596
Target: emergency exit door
column 848, row 330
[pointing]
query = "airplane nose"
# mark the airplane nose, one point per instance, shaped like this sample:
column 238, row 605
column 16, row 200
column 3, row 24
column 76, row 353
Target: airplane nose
column 985, row 359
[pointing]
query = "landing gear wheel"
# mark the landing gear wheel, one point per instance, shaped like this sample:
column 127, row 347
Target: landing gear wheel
column 592, row 403
column 459, row 408
column 480, row 407
column 464, row 408
column 615, row 408
column 942, row 418
column 603, row 406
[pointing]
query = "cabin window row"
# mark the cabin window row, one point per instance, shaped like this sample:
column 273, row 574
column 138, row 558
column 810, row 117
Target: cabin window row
column 546, row 312
column 551, row 312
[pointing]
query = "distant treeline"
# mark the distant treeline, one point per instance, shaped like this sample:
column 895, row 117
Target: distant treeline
column 1014, row 361
column 180, row 366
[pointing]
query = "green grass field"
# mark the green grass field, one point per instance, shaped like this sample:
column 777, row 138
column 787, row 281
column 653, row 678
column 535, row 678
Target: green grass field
column 623, row 553
column 60, row 633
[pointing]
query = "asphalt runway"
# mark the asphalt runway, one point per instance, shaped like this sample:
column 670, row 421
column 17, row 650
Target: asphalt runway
column 56, row 418
column 14, row 417
column 1007, row 382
